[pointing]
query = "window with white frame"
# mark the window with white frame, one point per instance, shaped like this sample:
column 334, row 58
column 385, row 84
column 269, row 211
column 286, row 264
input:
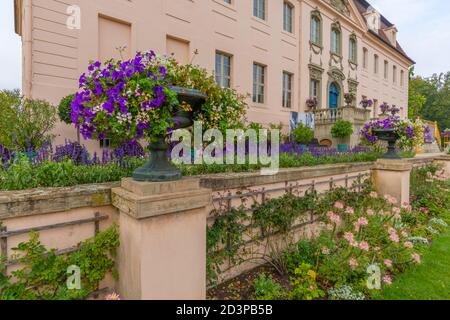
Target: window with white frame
column 287, row 90
column 259, row 9
column 353, row 49
column 223, row 69
column 259, row 78
column 288, row 17
column 386, row 69
column 335, row 41
column 376, row 64
column 365, row 58
column 316, row 27
column 394, row 74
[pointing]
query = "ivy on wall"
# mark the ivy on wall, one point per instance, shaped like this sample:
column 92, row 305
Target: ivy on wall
column 43, row 274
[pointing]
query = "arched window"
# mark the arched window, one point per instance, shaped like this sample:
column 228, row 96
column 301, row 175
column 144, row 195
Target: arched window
column 316, row 28
column 353, row 47
column 288, row 17
column 335, row 40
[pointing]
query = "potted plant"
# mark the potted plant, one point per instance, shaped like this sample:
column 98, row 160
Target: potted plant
column 366, row 103
column 405, row 134
column 385, row 108
column 342, row 129
column 302, row 135
column 133, row 100
column 349, row 98
column 148, row 97
column 312, row 103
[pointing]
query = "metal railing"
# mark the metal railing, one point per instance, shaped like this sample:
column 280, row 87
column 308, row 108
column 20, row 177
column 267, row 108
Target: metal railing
column 5, row 234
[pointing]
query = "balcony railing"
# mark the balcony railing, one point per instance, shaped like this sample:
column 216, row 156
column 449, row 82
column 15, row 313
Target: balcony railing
column 330, row 116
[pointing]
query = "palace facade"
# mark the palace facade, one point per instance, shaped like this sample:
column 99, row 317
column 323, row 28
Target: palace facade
column 280, row 52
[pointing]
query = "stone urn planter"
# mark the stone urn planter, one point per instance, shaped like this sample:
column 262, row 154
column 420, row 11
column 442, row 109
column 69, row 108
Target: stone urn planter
column 159, row 168
column 390, row 136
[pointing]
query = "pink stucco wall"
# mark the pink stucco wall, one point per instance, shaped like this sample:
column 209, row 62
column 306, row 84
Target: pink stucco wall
column 54, row 56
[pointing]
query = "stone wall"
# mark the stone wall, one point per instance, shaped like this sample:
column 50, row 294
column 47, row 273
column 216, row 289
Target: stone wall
column 66, row 216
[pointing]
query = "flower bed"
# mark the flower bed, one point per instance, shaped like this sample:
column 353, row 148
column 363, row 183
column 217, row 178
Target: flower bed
column 366, row 242
column 71, row 164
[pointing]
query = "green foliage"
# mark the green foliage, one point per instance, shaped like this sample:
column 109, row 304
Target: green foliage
column 302, row 134
column 342, row 129
column 278, row 215
column 224, row 108
column 304, row 252
column 304, row 283
column 265, row 288
column 224, row 239
column 43, row 274
column 25, row 123
column 429, row 98
column 429, row 193
column 22, row 174
column 64, row 109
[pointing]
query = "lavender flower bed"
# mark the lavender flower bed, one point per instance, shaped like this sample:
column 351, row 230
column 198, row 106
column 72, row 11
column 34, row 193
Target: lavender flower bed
column 70, row 164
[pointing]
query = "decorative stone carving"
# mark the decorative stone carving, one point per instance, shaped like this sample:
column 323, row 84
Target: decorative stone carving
column 340, row 5
column 353, row 85
column 336, row 75
column 315, row 72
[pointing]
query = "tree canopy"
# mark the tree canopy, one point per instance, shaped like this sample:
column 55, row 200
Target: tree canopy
column 429, row 98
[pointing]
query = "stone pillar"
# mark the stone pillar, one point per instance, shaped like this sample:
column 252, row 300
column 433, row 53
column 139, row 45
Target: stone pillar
column 444, row 161
column 392, row 177
column 162, row 252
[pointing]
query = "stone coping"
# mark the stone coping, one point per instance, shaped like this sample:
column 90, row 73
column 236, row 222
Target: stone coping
column 222, row 181
column 51, row 200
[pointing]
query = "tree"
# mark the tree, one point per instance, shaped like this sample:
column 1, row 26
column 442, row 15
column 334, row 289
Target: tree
column 429, row 98
column 25, row 124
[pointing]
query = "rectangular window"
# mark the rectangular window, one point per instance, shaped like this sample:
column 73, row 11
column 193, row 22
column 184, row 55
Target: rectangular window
column 402, row 78
column 386, row 69
column 315, row 89
column 315, row 30
column 259, row 9
column 287, row 90
column 287, row 17
column 259, row 78
column 375, row 64
column 353, row 48
column 365, row 58
column 227, row 1
column 223, row 70
column 394, row 74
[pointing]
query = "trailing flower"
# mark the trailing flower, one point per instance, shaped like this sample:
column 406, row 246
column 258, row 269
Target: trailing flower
column 126, row 100
column 411, row 134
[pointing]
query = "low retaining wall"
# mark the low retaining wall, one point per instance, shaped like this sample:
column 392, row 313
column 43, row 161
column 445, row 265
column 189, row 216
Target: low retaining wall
column 65, row 217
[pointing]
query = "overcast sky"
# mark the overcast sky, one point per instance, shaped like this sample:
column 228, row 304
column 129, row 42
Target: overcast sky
column 424, row 33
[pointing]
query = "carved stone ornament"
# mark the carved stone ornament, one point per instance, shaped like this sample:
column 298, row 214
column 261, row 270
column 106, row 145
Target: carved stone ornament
column 315, row 72
column 340, row 5
column 336, row 75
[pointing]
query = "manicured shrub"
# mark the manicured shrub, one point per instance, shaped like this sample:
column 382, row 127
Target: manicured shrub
column 342, row 129
column 302, row 134
column 64, row 109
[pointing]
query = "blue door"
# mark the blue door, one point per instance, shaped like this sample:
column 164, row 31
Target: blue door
column 334, row 96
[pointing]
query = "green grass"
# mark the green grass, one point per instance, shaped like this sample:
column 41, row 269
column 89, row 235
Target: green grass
column 428, row 281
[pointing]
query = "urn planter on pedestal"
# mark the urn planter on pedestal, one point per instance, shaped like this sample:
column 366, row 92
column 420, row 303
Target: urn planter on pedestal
column 159, row 168
column 391, row 136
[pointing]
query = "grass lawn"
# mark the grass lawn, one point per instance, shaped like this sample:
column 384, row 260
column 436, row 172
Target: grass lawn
column 428, row 281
